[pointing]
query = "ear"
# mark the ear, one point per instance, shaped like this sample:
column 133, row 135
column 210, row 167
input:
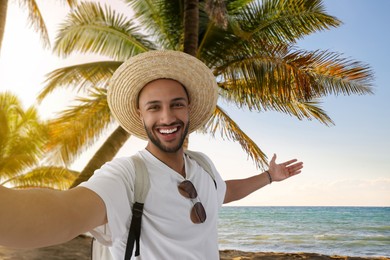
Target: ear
column 140, row 114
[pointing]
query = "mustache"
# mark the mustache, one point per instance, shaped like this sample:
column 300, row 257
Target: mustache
column 177, row 122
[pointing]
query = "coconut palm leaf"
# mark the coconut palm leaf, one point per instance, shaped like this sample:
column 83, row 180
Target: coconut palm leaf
column 284, row 20
column 254, row 60
column 79, row 77
column 229, row 129
column 308, row 110
column 300, row 109
column 162, row 20
column 36, row 21
column 78, row 127
column 95, row 29
column 263, row 22
column 44, row 177
column 22, row 141
column 333, row 74
column 262, row 81
column 21, row 137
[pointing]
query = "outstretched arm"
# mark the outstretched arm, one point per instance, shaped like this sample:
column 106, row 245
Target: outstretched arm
column 238, row 189
column 42, row 217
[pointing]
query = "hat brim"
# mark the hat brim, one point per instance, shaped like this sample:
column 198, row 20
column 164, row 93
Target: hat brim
column 129, row 79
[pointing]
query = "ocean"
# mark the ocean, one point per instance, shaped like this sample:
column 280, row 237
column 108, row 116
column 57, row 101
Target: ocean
column 351, row 231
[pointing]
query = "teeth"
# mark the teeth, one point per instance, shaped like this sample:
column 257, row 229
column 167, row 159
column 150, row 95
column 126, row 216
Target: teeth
column 168, row 131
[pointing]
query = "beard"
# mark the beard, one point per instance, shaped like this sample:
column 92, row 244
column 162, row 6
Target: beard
column 163, row 147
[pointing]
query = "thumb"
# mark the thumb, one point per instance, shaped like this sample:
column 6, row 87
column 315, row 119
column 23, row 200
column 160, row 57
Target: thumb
column 273, row 160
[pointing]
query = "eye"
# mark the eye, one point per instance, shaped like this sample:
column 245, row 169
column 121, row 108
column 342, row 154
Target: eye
column 178, row 105
column 153, row 108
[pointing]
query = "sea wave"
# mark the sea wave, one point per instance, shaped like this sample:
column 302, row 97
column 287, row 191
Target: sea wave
column 324, row 230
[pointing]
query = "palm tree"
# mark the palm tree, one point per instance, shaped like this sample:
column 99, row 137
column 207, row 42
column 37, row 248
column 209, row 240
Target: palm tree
column 254, row 59
column 35, row 18
column 216, row 13
column 22, row 141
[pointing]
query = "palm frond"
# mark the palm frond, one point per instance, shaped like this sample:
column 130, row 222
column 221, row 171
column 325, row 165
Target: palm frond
column 234, row 6
column 162, row 20
column 10, row 108
column 44, row 177
column 80, row 77
column 94, row 29
column 260, row 23
column 72, row 3
column 78, row 127
column 253, row 60
column 36, row 21
column 4, row 129
column 298, row 108
column 231, row 131
column 333, row 74
column 258, row 81
column 22, row 136
column 308, row 110
column 256, row 76
column 284, row 20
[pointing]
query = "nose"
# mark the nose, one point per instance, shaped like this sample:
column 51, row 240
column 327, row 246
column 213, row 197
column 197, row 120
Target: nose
column 167, row 116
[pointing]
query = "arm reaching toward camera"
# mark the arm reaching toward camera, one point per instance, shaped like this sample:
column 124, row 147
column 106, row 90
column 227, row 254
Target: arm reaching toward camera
column 42, row 217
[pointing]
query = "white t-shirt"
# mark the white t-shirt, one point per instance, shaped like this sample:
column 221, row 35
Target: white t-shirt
column 167, row 231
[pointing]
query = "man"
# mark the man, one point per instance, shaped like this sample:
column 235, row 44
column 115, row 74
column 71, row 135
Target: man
column 161, row 96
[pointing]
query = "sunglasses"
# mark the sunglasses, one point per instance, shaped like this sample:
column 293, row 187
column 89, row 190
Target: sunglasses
column 198, row 213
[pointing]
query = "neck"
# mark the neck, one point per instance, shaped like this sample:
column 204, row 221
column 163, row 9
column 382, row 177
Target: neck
column 173, row 160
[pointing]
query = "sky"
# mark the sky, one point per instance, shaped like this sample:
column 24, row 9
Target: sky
column 347, row 164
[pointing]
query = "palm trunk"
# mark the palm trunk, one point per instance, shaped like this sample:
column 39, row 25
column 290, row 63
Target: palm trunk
column 191, row 26
column 105, row 153
column 3, row 18
column 191, row 34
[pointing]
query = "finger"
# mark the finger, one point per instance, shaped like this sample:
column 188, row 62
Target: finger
column 295, row 167
column 292, row 172
column 289, row 162
column 295, row 173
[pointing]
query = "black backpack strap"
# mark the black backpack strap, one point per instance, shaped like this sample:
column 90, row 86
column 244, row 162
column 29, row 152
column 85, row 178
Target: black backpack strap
column 141, row 188
column 135, row 231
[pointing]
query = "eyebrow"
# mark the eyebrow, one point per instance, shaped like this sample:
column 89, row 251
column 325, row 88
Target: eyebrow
column 153, row 102
column 185, row 89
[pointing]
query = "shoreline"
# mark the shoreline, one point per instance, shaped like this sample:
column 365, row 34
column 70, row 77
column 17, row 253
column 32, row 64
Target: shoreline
column 80, row 249
column 242, row 255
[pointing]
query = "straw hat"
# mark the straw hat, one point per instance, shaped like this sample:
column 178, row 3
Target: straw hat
column 135, row 73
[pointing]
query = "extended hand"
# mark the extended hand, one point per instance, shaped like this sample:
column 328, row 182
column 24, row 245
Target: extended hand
column 282, row 171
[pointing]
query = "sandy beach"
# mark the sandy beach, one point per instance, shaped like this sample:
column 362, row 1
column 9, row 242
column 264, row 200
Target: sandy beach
column 79, row 249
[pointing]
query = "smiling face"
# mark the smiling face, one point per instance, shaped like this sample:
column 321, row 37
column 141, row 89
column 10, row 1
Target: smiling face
column 164, row 111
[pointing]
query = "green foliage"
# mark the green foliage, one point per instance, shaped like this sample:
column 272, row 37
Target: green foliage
column 92, row 28
column 23, row 138
column 88, row 119
column 254, row 58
